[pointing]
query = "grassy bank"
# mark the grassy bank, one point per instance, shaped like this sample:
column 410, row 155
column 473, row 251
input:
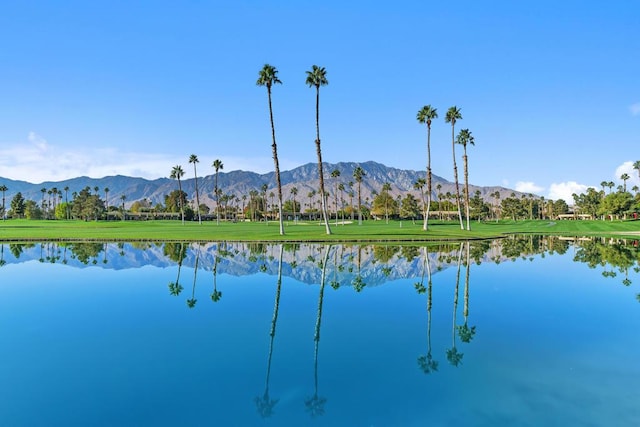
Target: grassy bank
column 26, row 230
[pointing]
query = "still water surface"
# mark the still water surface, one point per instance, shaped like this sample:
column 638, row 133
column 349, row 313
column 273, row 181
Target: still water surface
column 523, row 331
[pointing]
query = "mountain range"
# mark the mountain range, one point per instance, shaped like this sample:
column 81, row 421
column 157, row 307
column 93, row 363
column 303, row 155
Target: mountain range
column 240, row 183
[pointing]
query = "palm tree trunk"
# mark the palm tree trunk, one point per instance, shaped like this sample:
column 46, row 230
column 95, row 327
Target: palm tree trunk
column 274, row 147
column 323, row 204
column 455, row 177
column 466, row 185
column 197, row 195
column 425, row 226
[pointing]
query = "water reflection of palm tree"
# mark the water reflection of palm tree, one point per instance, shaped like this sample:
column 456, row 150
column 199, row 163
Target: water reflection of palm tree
column 216, row 294
column 175, row 287
column 315, row 404
column 191, row 302
column 426, row 362
column 264, row 403
column 465, row 332
column 453, row 356
column 2, row 261
column 358, row 283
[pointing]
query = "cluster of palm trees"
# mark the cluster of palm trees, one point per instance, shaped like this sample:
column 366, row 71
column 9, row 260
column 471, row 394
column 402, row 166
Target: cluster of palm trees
column 177, row 173
column 425, row 116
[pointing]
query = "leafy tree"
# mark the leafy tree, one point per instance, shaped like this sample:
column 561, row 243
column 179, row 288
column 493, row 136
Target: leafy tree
column 174, row 200
column 383, row 203
column 409, row 207
column 512, row 207
column 589, row 202
column 87, row 205
column 268, row 76
column 616, row 204
column 31, row 210
column 560, row 207
column 452, row 116
column 17, row 205
column 61, row 211
column 318, row 77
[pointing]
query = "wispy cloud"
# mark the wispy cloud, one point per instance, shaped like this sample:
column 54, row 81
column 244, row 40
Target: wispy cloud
column 635, row 109
column 38, row 161
column 528, row 187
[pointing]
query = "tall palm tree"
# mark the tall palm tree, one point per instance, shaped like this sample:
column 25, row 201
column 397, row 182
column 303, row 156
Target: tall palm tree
column 464, row 138
column 268, row 76
column 3, row 189
column 264, row 403
column 341, row 189
column 624, row 177
column 194, row 159
column 178, row 173
column 358, row 175
column 425, row 115
column 335, row 174
column 315, row 78
column 218, row 166
column 452, row 116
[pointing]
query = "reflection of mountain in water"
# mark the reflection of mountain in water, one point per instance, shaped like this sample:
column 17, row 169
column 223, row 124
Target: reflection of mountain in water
column 376, row 264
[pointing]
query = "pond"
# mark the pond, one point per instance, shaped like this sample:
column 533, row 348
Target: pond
column 525, row 330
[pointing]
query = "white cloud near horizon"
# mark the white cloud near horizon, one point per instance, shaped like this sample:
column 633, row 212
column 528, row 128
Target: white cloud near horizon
column 565, row 190
column 627, row 167
column 39, row 161
column 528, row 187
column 635, row 109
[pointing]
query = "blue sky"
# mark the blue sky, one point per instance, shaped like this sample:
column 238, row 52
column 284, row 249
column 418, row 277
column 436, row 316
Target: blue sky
column 550, row 90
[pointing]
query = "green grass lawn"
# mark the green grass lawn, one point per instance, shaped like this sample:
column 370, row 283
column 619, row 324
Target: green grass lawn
column 28, row 230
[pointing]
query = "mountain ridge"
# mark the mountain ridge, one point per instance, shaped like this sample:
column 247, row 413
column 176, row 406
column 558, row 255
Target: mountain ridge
column 240, row 183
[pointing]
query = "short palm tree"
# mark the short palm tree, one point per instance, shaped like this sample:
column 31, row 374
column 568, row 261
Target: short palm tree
column 425, row 115
column 452, row 116
column 464, row 138
column 194, row 159
column 218, row 166
column 335, row 174
column 3, row 189
column 294, row 193
column 624, row 177
column 268, row 76
column 318, row 77
column 358, row 175
column 178, row 173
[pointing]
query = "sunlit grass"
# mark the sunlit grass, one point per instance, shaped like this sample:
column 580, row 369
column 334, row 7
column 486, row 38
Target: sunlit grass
column 16, row 230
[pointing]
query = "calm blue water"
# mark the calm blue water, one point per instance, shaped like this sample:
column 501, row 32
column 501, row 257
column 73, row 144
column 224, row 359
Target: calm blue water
column 101, row 340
